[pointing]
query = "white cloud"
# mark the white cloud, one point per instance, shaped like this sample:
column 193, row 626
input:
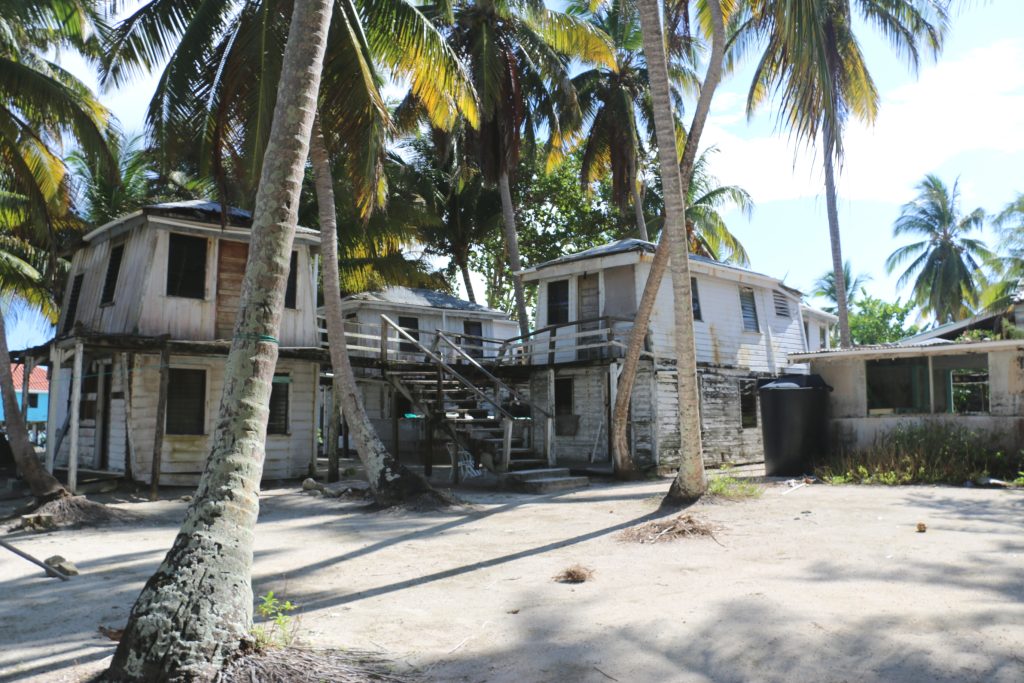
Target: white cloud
column 973, row 103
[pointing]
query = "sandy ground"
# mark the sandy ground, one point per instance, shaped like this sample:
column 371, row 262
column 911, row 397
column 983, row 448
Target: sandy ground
column 820, row 584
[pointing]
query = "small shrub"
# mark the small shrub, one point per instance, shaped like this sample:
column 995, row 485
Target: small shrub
column 279, row 627
column 929, row 452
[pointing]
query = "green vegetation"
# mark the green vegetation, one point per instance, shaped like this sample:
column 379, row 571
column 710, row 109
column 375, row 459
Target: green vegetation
column 873, row 321
column 926, row 453
column 279, row 627
column 729, row 487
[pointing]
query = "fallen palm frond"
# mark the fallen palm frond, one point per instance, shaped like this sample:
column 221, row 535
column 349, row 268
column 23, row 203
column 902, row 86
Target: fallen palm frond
column 664, row 530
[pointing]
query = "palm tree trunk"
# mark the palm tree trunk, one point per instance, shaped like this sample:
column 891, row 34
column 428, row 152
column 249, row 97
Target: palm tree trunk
column 44, row 486
column 196, row 610
column 512, row 244
column 842, row 310
column 690, row 481
column 638, row 202
column 390, row 482
column 464, row 269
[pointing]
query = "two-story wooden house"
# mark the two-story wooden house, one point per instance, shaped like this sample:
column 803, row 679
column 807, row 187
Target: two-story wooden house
column 745, row 325
column 137, row 361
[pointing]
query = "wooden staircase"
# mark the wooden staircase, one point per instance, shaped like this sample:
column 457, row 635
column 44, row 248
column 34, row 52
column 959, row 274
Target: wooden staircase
column 472, row 411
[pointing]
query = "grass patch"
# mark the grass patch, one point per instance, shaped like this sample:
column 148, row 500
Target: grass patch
column 928, row 452
column 729, row 487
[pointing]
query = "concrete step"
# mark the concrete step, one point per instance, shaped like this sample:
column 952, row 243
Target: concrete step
column 548, row 484
column 538, row 473
column 520, row 464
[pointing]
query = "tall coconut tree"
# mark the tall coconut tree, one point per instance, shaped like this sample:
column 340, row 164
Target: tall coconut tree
column 690, row 482
column 519, row 53
column 813, row 64
column 945, row 263
column 1004, row 288
column 196, row 610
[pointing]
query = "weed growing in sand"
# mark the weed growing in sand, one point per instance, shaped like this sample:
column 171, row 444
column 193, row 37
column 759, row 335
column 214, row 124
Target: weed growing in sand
column 577, row 573
column 726, row 486
column 279, row 627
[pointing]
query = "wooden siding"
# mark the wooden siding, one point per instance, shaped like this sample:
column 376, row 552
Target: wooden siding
column 141, row 305
column 231, row 260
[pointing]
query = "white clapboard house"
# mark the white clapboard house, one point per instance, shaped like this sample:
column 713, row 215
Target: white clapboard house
column 746, row 324
column 146, row 321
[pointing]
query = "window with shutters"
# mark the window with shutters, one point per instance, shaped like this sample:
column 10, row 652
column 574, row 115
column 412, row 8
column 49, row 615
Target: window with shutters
column 695, row 298
column 823, row 337
column 278, row 421
column 76, row 292
column 412, row 326
column 781, row 305
column 748, row 403
column 558, row 302
column 291, row 289
column 186, row 401
column 186, row 266
column 113, row 270
column 749, row 310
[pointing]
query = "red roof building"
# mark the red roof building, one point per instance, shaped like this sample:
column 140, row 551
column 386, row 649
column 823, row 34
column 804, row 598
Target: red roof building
column 38, row 381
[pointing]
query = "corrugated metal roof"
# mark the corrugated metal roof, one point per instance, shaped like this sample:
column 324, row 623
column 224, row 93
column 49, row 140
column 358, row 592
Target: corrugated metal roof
column 206, row 210
column 409, row 296
column 38, row 380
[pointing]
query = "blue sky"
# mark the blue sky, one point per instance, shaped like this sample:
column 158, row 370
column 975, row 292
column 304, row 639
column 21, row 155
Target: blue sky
column 962, row 115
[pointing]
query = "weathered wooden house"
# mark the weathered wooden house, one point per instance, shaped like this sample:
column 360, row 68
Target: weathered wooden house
column 746, row 325
column 137, row 361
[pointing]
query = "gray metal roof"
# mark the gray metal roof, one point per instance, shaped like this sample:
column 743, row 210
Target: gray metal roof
column 632, row 244
column 408, row 296
column 207, row 211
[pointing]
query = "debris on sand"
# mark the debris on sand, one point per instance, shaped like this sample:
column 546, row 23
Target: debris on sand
column 921, row 527
column 70, row 511
column 301, row 665
column 663, row 530
column 577, row 573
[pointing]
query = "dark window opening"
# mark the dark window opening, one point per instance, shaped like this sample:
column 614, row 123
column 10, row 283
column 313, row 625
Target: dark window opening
column 558, row 302
column 113, row 270
column 898, row 386
column 748, row 403
column 563, row 396
column 412, row 327
column 186, row 401
column 403, row 406
column 695, row 298
column 278, row 421
column 186, row 266
column 33, row 400
column 471, row 345
column 76, row 292
column 293, row 281
column 749, row 310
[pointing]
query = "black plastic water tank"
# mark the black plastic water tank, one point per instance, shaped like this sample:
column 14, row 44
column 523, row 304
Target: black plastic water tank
column 794, row 423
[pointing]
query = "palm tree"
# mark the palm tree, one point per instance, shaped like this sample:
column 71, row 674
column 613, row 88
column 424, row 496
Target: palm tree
column 945, row 264
column 690, row 482
column 814, row 64
column 615, row 101
column 196, row 610
column 1007, row 265
column 706, row 230
column 458, row 211
column 518, row 54
column 825, row 286
column 23, row 284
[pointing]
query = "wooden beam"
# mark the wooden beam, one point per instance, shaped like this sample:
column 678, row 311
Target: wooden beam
column 56, row 355
column 394, row 423
column 76, row 400
column 130, row 454
column 316, row 410
column 161, row 417
column 332, row 423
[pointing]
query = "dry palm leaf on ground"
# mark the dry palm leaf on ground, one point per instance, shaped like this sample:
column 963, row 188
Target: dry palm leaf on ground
column 671, row 529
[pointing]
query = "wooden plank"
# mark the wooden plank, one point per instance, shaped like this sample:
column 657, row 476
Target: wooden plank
column 27, row 366
column 161, row 416
column 76, row 399
column 231, row 260
column 56, row 356
column 129, row 436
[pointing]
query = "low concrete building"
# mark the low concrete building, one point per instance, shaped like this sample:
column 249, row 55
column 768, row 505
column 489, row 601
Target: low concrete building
column 978, row 385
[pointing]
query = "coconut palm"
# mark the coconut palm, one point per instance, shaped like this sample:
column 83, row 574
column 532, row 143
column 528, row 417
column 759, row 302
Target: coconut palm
column 518, row 53
column 196, row 610
column 1004, row 288
column 944, row 265
column 825, row 286
column 813, row 64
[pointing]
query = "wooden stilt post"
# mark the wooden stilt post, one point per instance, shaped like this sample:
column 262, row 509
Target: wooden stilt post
column 130, row 454
column 76, row 400
column 549, row 423
column 56, row 355
column 313, row 446
column 161, row 417
column 333, row 421
column 394, row 423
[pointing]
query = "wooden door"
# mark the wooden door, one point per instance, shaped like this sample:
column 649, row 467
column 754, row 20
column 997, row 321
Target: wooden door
column 231, row 258
column 588, row 309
